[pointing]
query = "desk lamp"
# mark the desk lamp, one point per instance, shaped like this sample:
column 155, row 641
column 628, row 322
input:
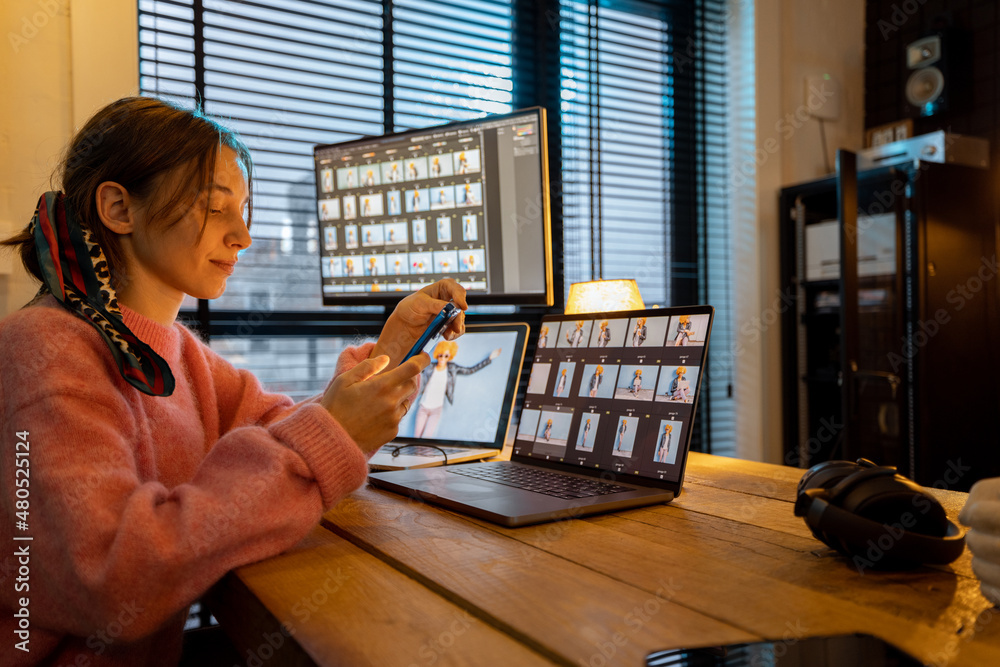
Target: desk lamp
column 603, row 296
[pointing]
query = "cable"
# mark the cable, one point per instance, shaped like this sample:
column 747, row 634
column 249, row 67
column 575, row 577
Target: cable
column 395, row 452
column 826, row 155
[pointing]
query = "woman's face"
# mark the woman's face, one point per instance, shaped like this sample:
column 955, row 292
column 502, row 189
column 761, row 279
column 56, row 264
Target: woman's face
column 183, row 258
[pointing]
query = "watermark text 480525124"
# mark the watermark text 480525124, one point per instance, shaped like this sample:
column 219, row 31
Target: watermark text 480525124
column 22, row 541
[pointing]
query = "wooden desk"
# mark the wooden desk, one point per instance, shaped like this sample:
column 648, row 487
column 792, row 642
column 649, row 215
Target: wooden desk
column 386, row 580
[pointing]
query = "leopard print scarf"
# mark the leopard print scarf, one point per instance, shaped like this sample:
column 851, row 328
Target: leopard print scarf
column 76, row 274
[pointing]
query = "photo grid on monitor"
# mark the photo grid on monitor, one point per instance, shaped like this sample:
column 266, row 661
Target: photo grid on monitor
column 466, row 200
column 616, row 391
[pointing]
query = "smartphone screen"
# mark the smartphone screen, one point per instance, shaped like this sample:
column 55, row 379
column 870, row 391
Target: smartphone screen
column 855, row 650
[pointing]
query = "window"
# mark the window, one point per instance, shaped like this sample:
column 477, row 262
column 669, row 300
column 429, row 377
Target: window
column 644, row 163
column 635, row 95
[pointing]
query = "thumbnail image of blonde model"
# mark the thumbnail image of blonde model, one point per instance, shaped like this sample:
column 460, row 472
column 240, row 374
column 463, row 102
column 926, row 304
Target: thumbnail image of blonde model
column 604, row 335
column 663, row 446
column 684, row 331
column 622, row 428
column 595, row 380
column 561, row 386
column 583, row 436
column 680, row 388
column 575, row 337
column 636, row 386
column 639, row 333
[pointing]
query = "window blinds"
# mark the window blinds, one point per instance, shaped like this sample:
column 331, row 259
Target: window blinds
column 635, row 88
column 643, row 116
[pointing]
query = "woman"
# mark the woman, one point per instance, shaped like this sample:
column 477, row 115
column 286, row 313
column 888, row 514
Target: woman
column 639, row 333
column 663, row 447
column 438, row 383
column 680, row 387
column 155, row 465
column 595, row 381
column 636, row 385
column 684, row 331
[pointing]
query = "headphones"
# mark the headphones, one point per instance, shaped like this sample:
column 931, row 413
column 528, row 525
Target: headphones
column 876, row 516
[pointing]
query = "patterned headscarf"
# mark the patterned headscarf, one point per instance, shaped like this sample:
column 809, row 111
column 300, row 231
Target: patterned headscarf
column 76, row 273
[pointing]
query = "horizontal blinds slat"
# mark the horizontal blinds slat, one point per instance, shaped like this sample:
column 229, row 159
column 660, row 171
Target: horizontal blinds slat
column 457, row 50
column 429, row 87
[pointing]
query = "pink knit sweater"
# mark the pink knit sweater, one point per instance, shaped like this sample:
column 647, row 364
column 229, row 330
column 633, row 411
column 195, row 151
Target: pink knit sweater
column 138, row 504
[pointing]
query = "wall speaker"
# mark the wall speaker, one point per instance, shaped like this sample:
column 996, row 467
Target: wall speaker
column 925, row 86
column 936, row 81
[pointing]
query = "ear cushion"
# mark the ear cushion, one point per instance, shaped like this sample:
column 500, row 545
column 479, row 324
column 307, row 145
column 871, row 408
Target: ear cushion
column 892, row 500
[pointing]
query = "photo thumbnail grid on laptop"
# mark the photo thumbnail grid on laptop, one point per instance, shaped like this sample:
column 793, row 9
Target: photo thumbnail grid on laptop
column 615, row 391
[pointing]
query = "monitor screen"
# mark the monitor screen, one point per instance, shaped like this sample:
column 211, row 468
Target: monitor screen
column 466, row 200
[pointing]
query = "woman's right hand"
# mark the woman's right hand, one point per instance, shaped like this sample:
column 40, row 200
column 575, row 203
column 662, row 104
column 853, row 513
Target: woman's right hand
column 369, row 405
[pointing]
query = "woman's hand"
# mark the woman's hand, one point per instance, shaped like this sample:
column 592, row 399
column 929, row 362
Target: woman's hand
column 982, row 515
column 369, row 405
column 412, row 315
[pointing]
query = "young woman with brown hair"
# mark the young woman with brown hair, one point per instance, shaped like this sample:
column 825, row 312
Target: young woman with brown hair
column 153, row 465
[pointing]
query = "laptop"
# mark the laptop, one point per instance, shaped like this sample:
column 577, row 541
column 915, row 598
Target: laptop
column 463, row 408
column 606, row 423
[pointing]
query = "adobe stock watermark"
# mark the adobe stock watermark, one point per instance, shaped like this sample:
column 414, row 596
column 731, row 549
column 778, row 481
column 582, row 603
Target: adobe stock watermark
column 101, row 640
column 308, row 605
column 885, row 200
column 786, row 127
column 901, row 13
column 635, row 620
column 794, row 633
column 882, row 547
column 433, row 649
column 959, row 297
column 271, row 643
column 32, row 24
column 763, row 491
column 303, row 609
column 752, row 330
column 953, row 646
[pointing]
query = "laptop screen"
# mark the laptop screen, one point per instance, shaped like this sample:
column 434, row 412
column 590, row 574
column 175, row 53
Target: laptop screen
column 467, row 393
column 616, row 391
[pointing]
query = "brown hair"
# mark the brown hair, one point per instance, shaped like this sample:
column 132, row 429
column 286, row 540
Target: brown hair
column 138, row 142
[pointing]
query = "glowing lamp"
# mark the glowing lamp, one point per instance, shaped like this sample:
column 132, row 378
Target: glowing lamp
column 603, row 296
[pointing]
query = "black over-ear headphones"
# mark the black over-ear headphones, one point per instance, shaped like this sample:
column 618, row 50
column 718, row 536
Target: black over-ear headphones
column 876, row 516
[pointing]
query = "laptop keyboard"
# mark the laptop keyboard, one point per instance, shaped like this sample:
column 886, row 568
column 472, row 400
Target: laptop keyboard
column 540, row 481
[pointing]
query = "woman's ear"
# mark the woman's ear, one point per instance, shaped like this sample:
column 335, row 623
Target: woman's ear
column 115, row 208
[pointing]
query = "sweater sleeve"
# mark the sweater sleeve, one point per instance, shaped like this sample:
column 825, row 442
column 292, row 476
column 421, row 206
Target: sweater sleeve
column 116, row 531
column 305, row 428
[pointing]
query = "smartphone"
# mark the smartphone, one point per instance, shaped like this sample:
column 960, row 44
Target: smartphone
column 437, row 325
column 856, row 650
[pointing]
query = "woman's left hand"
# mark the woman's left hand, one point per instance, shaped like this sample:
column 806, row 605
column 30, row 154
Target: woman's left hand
column 982, row 515
column 412, row 315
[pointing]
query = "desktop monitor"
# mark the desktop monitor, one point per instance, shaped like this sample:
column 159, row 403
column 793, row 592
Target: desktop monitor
column 467, row 200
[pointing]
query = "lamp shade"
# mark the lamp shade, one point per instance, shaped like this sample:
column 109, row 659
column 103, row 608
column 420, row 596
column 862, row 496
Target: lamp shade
column 603, row 296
